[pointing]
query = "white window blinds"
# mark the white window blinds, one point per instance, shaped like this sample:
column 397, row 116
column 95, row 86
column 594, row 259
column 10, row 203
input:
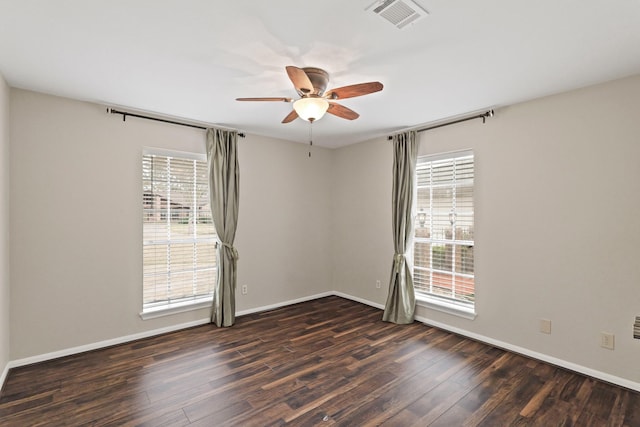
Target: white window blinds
column 443, row 240
column 179, row 239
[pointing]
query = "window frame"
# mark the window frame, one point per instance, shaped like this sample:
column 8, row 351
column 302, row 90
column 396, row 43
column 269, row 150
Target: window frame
column 193, row 302
column 430, row 300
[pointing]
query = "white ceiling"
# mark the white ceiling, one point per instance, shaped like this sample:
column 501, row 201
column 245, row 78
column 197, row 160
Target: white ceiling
column 192, row 58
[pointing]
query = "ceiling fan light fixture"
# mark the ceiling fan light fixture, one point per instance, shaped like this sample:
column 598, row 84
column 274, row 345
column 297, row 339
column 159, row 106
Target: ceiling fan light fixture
column 311, row 108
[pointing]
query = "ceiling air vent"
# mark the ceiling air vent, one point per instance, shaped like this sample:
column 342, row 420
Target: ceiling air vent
column 399, row 12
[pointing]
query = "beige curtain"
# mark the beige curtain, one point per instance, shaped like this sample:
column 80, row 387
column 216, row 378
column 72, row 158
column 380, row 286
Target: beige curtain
column 224, row 179
column 401, row 302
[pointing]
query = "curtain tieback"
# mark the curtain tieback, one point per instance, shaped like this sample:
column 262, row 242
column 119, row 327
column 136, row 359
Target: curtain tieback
column 234, row 251
column 398, row 260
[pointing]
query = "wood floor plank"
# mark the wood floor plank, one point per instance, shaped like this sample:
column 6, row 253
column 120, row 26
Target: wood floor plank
column 326, row 362
column 431, row 406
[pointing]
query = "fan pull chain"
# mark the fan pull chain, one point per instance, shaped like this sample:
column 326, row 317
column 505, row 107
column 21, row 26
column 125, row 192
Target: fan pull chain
column 310, row 136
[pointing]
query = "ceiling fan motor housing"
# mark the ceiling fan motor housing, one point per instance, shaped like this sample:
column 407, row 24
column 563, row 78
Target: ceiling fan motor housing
column 319, row 79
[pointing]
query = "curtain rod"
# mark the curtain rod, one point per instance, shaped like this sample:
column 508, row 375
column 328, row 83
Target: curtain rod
column 140, row 116
column 482, row 116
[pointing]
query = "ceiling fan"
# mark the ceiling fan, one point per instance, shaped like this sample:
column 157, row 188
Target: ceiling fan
column 311, row 83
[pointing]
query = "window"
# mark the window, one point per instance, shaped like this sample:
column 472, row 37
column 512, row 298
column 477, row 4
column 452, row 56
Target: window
column 179, row 238
column 443, row 241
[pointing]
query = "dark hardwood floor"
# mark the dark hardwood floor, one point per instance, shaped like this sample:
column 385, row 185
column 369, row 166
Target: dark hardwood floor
column 321, row 363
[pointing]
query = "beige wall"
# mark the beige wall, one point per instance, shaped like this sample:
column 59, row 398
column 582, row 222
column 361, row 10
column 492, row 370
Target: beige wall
column 4, row 226
column 361, row 200
column 76, row 224
column 557, row 223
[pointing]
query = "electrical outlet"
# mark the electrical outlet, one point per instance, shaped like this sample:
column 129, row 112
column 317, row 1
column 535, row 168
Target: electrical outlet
column 244, row 289
column 607, row 340
column 545, row 326
column 377, row 284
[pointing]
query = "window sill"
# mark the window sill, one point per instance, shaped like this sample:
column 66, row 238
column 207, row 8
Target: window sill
column 446, row 307
column 174, row 308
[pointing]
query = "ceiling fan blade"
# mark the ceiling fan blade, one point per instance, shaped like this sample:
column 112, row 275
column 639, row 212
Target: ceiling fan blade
column 265, row 99
column 342, row 111
column 290, row 117
column 300, row 80
column 354, row 90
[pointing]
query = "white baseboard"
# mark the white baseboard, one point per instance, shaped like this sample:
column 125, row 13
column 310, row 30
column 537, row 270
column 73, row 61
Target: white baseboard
column 141, row 335
column 103, row 344
column 535, row 355
column 4, row 375
column 496, row 343
column 623, row 382
column 284, row 304
column 360, row 300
